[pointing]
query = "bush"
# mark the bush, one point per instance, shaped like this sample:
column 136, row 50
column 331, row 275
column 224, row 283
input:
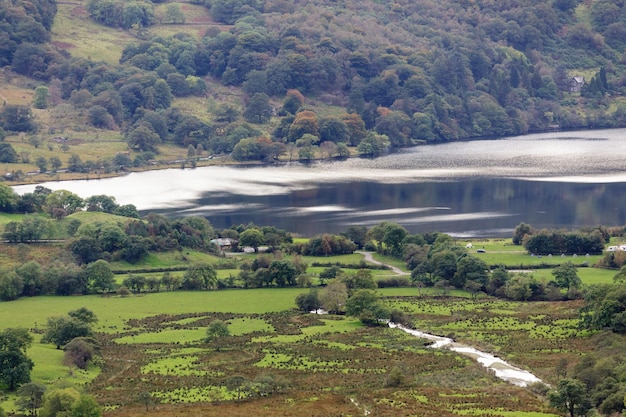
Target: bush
column 394, row 282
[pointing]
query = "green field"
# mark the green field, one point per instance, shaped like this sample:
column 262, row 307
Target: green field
column 162, row 334
column 113, row 312
column 157, row 344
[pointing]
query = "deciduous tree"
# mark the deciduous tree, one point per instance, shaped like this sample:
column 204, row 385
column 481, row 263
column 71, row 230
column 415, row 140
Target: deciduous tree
column 258, row 109
column 30, row 397
column 217, row 330
column 200, row 276
column 15, row 366
column 566, row 276
column 570, row 397
column 252, row 238
column 333, row 297
column 62, row 329
column 100, row 276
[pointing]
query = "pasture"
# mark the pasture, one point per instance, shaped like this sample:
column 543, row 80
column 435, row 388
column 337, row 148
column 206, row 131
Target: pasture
column 315, row 362
column 290, row 363
column 153, row 344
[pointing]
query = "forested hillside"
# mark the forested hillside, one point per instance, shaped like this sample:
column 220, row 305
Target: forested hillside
column 308, row 79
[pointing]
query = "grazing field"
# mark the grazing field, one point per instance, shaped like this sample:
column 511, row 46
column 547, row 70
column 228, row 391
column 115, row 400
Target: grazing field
column 278, row 361
column 154, row 344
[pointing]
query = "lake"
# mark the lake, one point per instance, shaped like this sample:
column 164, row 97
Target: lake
column 473, row 188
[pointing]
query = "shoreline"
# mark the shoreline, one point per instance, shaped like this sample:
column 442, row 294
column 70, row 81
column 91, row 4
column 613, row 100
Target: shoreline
column 35, row 177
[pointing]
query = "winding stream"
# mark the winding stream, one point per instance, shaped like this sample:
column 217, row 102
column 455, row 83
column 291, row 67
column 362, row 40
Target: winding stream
column 501, row 368
column 498, row 366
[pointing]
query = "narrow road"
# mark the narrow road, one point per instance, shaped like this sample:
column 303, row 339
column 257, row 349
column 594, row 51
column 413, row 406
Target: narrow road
column 370, row 258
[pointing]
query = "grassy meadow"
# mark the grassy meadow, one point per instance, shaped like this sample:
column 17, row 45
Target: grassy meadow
column 153, row 344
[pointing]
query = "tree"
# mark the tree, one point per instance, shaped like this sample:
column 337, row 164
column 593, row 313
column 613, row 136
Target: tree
column 283, row 272
column 103, row 203
column 98, row 116
column 566, row 276
column 86, row 249
column 135, row 247
column 7, row 153
column 518, row 288
column 42, row 164
column 217, row 330
column 473, row 288
column 35, row 141
column 100, row 276
column 521, row 230
column 356, row 127
column 200, row 276
column 79, row 352
column 252, row 238
column 226, row 113
column 144, row 139
column 59, row 402
column 63, row 202
column 293, row 101
column 32, row 277
column 146, row 399
column 470, row 268
column 55, row 163
column 236, row 383
column 365, row 305
column 393, row 236
column 333, row 297
column 8, row 198
column 83, row 315
column 174, row 15
column 86, row 406
column 135, row 283
column 30, row 397
column 40, row 98
column 259, row 109
column 309, row 301
column 62, row 329
column 361, row 279
column 15, row 366
column 11, row 285
column 17, row 118
column 571, row 397
column 305, row 122
column 396, row 378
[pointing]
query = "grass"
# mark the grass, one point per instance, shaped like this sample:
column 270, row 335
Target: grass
column 170, row 336
column 388, row 260
column 167, row 260
column 113, row 312
column 312, row 352
column 241, row 326
column 588, row 276
column 75, row 32
column 7, row 218
column 158, row 345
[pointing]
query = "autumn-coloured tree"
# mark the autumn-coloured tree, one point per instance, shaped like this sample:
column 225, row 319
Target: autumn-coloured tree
column 356, row 127
column 293, row 101
column 305, row 122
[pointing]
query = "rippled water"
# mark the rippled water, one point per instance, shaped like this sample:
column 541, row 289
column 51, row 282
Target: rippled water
column 465, row 188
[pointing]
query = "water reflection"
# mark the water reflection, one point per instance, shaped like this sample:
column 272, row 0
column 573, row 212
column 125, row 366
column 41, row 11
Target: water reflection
column 465, row 188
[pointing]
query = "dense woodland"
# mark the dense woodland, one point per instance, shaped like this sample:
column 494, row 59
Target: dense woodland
column 421, row 72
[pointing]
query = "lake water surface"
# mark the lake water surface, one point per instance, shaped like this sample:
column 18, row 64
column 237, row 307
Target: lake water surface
column 475, row 188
